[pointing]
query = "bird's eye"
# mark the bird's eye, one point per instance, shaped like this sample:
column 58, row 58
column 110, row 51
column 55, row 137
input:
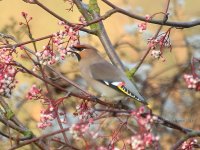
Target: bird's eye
column 80, row 48
column 77, row 48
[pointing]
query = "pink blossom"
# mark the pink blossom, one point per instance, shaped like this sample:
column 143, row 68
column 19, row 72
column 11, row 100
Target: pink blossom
column 147, row 17
column 189, row 144
column 158, row 44
column 34, row 92
column 46, row 118
column 192, row 82
column 143, row 141
column 142, row 26
column 82, row 20
column 24, row 14
column 7, row 79
column 61, row 39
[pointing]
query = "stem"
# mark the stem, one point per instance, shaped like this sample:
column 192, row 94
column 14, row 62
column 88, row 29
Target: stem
column 185, row 138
column 134, row 70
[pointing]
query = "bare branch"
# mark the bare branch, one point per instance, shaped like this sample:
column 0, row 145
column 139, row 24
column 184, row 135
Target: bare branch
column 154, row 21
column 101, row 33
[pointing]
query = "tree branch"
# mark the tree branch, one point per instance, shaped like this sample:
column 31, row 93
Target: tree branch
column 59, row 17
column 185, row 138
column 154, row 21
column 100, row 30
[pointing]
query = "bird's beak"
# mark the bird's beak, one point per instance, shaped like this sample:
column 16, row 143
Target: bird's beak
column 75, row 51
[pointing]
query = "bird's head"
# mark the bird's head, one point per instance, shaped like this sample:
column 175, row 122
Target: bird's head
column 83, row 51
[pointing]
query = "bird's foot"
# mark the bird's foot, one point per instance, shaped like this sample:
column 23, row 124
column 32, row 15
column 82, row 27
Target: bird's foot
column 94, row 98
column 121, row 105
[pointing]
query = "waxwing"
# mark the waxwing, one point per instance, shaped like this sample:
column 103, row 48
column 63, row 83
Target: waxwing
column 102, row 76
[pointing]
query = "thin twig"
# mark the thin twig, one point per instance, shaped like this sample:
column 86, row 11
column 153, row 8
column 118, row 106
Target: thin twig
column 59, row 17
column 154, row 21
column 185, row 138
column 154, row 37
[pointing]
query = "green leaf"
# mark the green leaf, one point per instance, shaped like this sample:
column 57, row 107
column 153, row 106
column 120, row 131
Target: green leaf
column 28, row 133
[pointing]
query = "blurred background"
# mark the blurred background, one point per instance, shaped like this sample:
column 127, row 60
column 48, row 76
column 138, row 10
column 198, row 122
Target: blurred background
column 161, row 82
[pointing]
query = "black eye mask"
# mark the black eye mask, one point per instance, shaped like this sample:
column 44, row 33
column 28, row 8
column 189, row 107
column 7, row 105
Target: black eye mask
column 77, row 55
column 77, row 48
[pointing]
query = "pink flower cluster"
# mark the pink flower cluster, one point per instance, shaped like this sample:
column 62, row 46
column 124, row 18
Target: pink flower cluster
column 156, row 53
column 143, row 141
column 83, row 111
column 47, row 56
column 158, row 44
column 192, row 82
column 144, row 138
column 6, row 55
column 189, row 144
column 82, row 20
column 49, row 114
column 85, row 115
column 7, row 72
column 143, row 26
column 34, row 93
column 78, row 129
column 7, row 79
column 143, row 122
column 24, row 14
column 46, row 117
column 28, row 19
column 71, row 32
column 69, row 36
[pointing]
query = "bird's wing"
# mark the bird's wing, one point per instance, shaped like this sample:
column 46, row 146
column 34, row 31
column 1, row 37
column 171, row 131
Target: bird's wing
column 111, row 76
column 105, row 71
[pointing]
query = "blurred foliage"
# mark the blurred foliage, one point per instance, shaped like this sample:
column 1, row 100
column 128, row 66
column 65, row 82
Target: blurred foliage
column 14, row 29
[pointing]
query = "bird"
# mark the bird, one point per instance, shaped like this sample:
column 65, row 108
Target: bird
column 104, row 77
